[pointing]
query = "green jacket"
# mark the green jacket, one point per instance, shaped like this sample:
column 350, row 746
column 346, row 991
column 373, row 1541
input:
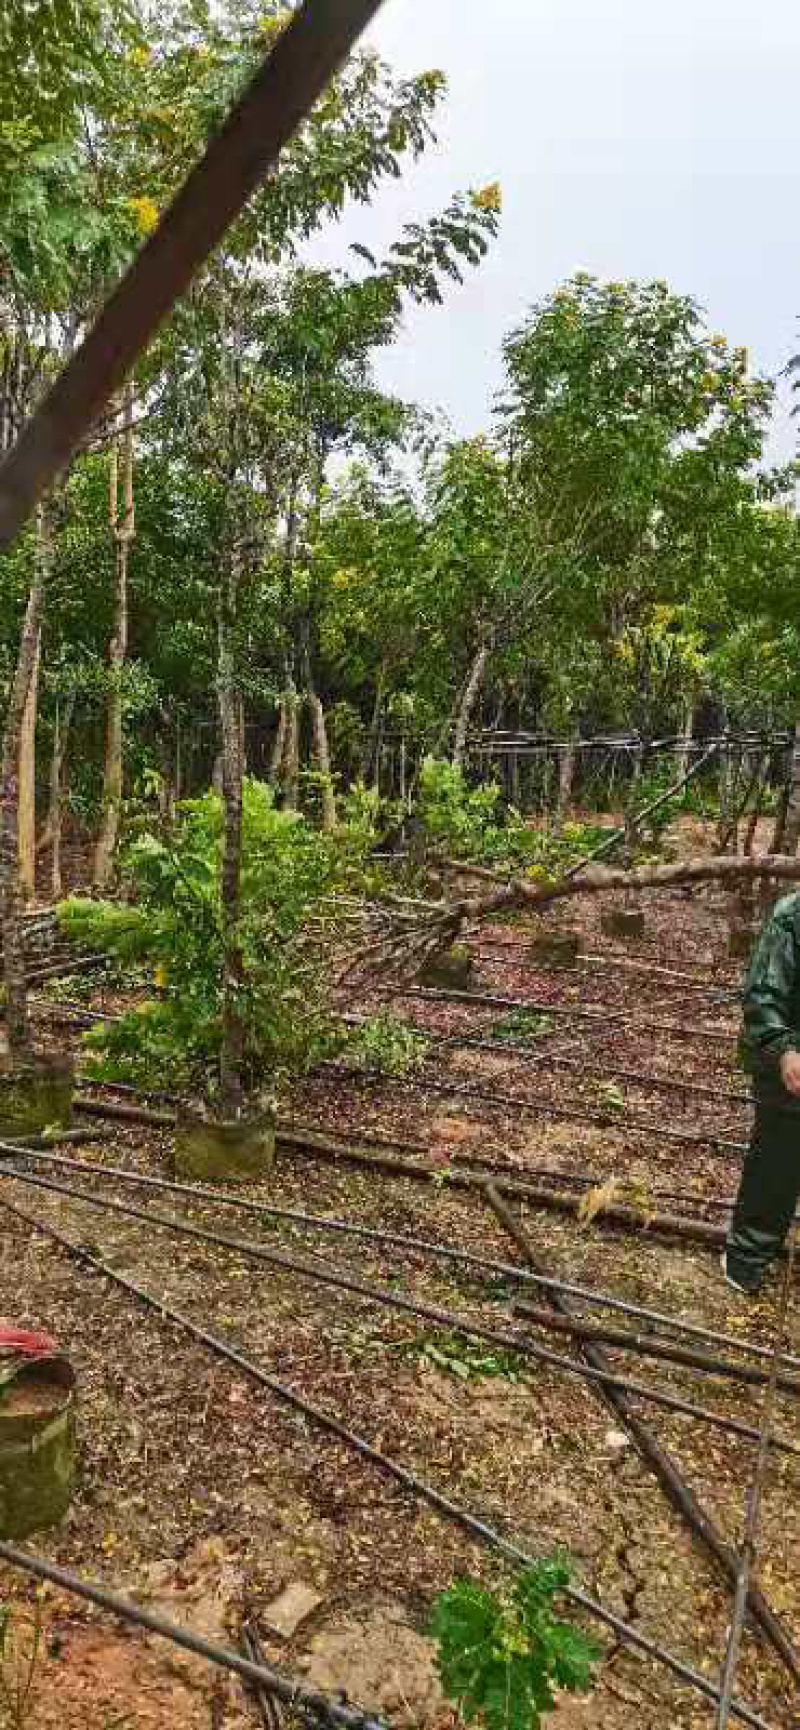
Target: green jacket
column 772, row 992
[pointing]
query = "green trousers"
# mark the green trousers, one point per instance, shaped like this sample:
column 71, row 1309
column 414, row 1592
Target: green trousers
column 769, row 1187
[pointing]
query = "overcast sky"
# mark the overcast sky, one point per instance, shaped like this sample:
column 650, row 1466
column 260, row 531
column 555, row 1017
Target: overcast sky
column 642, row 138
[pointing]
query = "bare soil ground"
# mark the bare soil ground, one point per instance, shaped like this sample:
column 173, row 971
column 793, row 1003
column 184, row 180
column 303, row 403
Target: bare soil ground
column 208, row 1498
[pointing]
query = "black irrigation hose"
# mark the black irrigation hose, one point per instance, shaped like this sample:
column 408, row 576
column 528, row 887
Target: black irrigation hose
column 673, row 1225
column 648, row 1077
column 340, row 1280
column 539, row 1106
column 398, row 1240
column 425, row 1492
column 606, row 1014
column 262, row 1676
column 579, row 1180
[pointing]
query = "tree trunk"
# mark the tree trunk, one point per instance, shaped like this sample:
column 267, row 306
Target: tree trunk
column 727, row 828
column 26, row 820
column 758, row 797
column 472, row 689
column 122, row 531
column 684, row 748
column 55, row 821
column 232, row 1045
column 319, row 735
column 19, row 1040
column 278, row 745
column 291, row 761
column 791, row 832
column 566, row 776
column 372, row 741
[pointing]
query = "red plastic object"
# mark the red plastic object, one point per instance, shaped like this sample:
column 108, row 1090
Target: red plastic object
column 20, row 1342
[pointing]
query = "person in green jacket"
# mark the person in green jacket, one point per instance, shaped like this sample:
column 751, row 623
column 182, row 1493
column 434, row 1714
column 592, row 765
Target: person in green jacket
column 770, row 1049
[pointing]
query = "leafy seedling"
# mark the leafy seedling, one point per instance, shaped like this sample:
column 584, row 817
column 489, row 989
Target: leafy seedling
column 500, row 1657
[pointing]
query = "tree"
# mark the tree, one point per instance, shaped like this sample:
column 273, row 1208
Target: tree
column 644, row 427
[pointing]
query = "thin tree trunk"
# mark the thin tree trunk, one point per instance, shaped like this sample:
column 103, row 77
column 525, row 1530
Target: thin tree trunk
column 791, row 833
column 472, row 690
column 26, row 820
column 319, row 735
column 684, row 749
column 758, row 797
column 278, row 745
column 291, row 762
column 776, row 844
column 56, row 819
column 232, row 1045
column 566, row 776
column 371, row 743
column 727, row 828
column 122, row 531
column 19, row 1040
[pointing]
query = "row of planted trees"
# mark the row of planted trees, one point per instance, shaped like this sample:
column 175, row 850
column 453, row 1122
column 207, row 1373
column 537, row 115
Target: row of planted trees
column 256, row 518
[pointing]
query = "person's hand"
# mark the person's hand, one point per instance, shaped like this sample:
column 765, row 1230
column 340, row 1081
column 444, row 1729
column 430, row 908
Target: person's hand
column 790, row 1071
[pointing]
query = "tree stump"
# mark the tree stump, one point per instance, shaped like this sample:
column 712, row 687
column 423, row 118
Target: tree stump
column 219, row 1150
column 450, row 971
column 625, row 922
column 37, row 1443
column 35, row 1094
column 555, row 948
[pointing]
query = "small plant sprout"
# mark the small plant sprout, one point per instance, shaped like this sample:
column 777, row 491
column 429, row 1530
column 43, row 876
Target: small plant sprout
column 502, row 1656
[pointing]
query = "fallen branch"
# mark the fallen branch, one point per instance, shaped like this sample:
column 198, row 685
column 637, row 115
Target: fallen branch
column 406, row 951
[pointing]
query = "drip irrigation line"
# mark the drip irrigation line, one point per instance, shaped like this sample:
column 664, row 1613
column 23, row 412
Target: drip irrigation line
column 125, row 1087
column 260, row 1675
column 616, row 1213
column 670, row 1478
column 605, row 1013
column 466, row 1177
column 749, row 1551
column 588, row 958
column 648, row 1077
column 126, row 1113
column 541, row 1107
column 647, row 1346
column 424, row 1492
column 197, row 1193
column 322, row 1273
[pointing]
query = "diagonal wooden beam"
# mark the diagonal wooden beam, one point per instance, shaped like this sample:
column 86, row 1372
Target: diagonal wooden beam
column 277, row 100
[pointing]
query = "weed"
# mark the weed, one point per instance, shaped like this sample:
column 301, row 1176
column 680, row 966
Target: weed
column 457, row 1357
column 521, row 1024
column 501, row 1656
column 387, row 1045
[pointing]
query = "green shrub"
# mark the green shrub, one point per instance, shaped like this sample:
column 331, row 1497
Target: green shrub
column 501, row 1657
column 468, row 823
column 387, row 1046
column 173, row 921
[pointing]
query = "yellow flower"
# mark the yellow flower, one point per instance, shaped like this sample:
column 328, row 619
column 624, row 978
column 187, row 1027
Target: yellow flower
column 147, row 213
column 489, row 198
